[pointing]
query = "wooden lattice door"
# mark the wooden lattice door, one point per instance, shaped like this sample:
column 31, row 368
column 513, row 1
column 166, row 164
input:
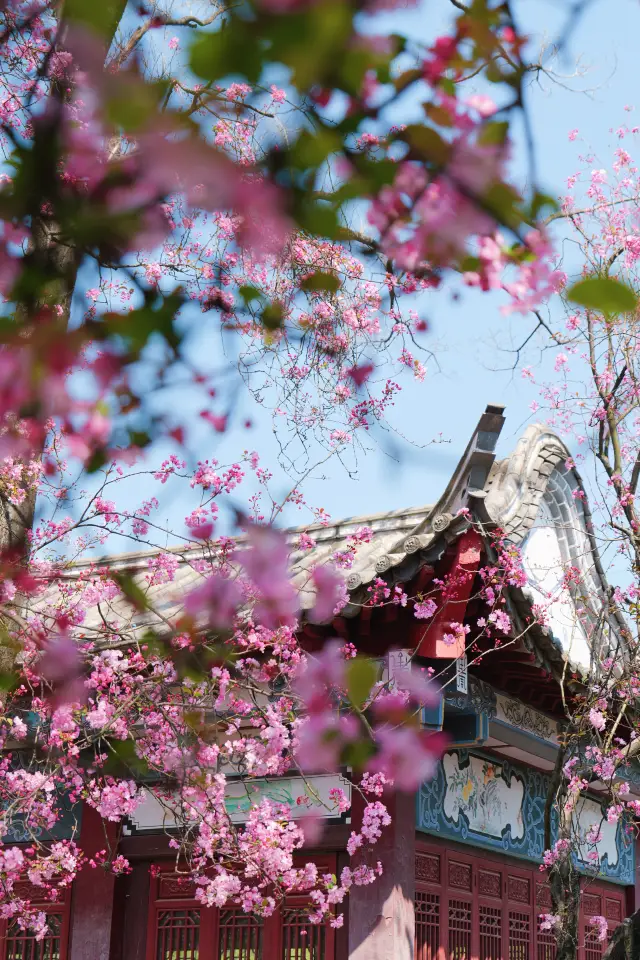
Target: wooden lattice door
column 487, row 908
column 180, row 928
column 19, row 944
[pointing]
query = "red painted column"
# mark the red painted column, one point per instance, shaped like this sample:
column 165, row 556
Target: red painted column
column 381, row 916
column 92, row 897
column 132, row 942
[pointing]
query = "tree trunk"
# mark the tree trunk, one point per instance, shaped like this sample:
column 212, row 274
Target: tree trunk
column 625, row 940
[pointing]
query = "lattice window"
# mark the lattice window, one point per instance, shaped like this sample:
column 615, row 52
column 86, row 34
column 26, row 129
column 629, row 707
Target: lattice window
column 593, row 947
column 178, row 935
column 459, row 930
column 302, row 940
column 490, row 933
column 427, row 906
column 22, row 944
column 239, row 937
column 546, row 944
column 519, row 936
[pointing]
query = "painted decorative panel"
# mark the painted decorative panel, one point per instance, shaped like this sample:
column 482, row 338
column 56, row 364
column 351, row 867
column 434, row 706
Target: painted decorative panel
column 485, row 799
column 500, row 806
column 241, row 795
column 613, row 910
column 543, row 895
column 67, row 825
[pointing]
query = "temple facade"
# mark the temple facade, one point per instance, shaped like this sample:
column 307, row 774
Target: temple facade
column 462, row 878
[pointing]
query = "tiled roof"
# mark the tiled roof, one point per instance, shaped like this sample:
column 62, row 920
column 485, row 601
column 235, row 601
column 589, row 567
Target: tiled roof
column 505, row 493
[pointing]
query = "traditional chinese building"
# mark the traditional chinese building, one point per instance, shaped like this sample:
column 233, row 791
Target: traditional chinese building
column 461, row 859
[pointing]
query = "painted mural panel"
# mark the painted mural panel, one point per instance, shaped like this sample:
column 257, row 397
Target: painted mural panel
column 500, row 806
column 478, row 792
column 241, row 795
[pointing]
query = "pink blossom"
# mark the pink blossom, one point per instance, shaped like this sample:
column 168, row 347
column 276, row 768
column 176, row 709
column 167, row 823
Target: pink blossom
column 329, row 592
column 424, row 609
column 482, row 103
column 277, row 95
column 265, row 561
column 217, row 600
column 60, row 666
column 602, row 929
column 407, row 756
column 561, row 362
column 360, row 374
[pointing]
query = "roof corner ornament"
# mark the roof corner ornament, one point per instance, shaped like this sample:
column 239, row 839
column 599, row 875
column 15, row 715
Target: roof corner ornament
column 441, row 521
column 412, row 544
column 469, row 479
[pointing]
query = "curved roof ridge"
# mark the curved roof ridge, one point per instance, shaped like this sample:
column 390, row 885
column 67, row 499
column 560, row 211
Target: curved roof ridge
column 518, row 483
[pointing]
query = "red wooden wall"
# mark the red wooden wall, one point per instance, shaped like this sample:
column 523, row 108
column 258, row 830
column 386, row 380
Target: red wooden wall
column 479, row 907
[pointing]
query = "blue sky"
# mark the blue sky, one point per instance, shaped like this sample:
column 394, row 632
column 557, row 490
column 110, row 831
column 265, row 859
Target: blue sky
column 468, row 334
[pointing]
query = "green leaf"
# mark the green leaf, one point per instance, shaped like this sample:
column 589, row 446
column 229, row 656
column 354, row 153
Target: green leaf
column 130, row 589
column 542, row 202
column 272, row 316
column 407, row 78
column 438, row 115
column 605, row 294
column 312, row 149
column 321, row 281
column 427, row 144
column 101, row 18
column 357, row 754
column 318, row 219
column 362, row 673
column 155, row 317
column 123, row 759
column 129, row 106
column 249, row 293
column 235, row 49
column 8, row 681
column 97, row 460
column 311, row 42
column 502, row 201
column 139, row 438
column 494, row 133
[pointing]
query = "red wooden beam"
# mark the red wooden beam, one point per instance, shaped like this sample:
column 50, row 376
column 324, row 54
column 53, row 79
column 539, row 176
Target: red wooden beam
column 429, row 640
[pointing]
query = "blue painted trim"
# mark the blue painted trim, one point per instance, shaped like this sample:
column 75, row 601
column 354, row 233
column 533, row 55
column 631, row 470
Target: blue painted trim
column 433, row 717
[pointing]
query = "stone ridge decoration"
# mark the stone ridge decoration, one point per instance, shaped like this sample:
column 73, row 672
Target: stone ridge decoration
column 499, row 805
